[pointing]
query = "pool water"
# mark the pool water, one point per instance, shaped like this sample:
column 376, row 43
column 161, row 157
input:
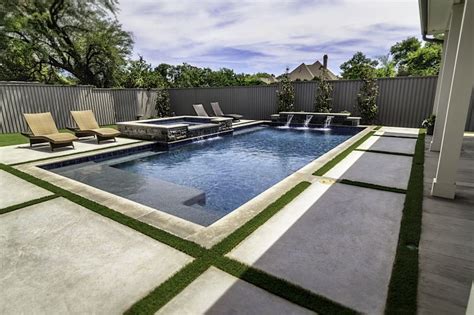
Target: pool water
column 231, row 170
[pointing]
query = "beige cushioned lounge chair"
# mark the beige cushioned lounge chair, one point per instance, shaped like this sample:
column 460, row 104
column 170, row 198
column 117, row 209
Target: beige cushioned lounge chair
column 219, row 113
column 87, row 124
column 200, row 111
column 43, row 129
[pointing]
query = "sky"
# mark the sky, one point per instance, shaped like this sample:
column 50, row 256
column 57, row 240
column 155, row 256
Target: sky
column 265, row 35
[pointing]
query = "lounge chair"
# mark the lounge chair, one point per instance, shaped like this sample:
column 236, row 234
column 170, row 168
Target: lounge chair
column 43, row 129
column 218, row 111
column 87, row 125
column 200, row 110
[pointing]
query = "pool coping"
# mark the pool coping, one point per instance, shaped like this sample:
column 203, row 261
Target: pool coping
column 202, row 235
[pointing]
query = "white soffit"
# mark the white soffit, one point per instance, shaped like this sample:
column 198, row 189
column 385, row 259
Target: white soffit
column 438, row 15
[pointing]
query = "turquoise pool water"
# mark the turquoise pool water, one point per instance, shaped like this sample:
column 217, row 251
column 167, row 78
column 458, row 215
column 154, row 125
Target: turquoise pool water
column 232, row 170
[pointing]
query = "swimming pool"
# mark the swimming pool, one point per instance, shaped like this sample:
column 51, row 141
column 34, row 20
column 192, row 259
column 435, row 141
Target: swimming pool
column 205, row 180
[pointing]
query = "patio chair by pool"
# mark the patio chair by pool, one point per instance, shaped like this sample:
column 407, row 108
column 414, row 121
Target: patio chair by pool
column 218, row 111
column 43, row 129
column 200, row 110
column 88, row 126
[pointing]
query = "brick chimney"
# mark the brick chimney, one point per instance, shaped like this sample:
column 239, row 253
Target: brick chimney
column 325, row 61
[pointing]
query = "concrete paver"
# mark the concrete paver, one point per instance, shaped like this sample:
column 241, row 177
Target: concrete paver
column 14, row 190
column 389, row 144
column 374, row 168
column 341, row 247
column 23, row 152
column 398, row 132
column 216, row 292
column 58, row 257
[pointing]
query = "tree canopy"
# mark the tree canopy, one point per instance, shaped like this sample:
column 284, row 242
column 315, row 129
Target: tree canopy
column 357, row 65
column 409, row 57
column 53, row 39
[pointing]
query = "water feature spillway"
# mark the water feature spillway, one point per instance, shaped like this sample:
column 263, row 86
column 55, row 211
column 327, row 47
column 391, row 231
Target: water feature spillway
column 327, row 123
column 307, row 120
column 288, row 121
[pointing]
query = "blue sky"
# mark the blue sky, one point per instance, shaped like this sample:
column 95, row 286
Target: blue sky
column 264, row 35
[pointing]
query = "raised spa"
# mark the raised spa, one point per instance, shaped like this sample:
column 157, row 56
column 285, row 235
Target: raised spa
column 169, row 130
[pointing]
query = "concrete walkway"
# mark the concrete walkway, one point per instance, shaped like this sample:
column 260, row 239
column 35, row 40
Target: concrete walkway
column 216, row 292
column 59, row 258
column 23, row 153
column 447, row 239
column 340, row 240
column 15, row 190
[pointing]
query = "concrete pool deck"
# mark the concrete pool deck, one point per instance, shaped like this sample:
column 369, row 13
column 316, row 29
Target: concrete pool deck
column 335, row 240
column 23, row 153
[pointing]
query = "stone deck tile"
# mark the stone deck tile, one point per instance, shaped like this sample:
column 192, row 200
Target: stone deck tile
column 15, row 190
column 374, row 168
column 60, row 258
column 389, row 144
column 342, row 246
column 21, row 153
column 216, row 292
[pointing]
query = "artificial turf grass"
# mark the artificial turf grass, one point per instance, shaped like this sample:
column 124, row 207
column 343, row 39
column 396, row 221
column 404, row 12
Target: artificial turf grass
column 11, row 139
column 27, row 203
column 204, row 258
column 330, row 164
column 162, row 294
column 372, row 186
column 403, row 287
column 280, row 287
column 174, row 241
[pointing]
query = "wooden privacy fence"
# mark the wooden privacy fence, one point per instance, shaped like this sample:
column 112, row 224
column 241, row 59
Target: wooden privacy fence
column 403, row 102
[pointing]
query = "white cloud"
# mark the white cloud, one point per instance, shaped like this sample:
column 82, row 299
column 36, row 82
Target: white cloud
column 264, row 35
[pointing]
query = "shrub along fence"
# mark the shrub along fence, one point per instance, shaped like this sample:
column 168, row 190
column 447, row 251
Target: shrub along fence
column 403, row 102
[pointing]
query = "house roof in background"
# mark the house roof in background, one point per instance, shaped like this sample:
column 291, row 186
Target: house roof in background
column 308, row 72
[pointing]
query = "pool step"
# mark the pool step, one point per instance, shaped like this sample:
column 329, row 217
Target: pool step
column 181, row 201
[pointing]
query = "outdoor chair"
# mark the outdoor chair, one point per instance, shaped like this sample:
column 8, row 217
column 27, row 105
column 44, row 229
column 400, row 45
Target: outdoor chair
column 200, row 110
column 218, row 112
column 88, row 126
column 43, row 130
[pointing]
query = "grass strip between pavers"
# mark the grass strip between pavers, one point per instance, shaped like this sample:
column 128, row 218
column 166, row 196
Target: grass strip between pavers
column 204, row 258
column 385, row 152
column 27, row 203
column 372, row 186
column 174, row 241
column 170, row 288
column 403, row 287
column 281, row 288
column 330, row 164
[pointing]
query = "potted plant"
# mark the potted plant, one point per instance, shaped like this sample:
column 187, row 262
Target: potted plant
column 429, row 123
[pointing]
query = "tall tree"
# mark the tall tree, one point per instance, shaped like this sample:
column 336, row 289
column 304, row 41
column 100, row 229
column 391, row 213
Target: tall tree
column 386, row 67
column 424, row 61
column 358, row 65
column 81, row 38
column 401, row 50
